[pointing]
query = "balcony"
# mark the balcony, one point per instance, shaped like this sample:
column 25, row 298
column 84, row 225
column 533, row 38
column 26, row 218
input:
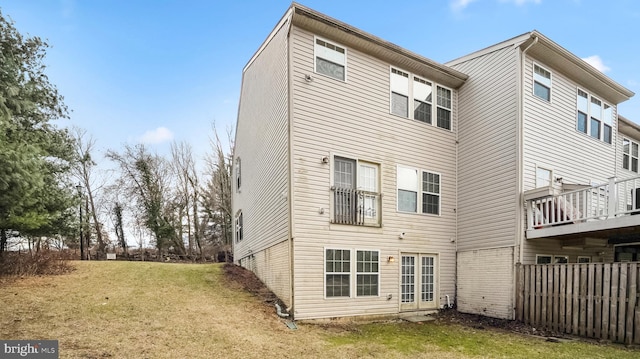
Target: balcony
column 600, row 211
column 355, row 207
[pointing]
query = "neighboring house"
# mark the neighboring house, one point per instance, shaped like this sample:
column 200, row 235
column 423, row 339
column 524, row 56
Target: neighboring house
column 369, row 180
column 534, row 120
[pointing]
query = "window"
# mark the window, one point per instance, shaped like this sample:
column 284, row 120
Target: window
column 543, row 177
column 331, row 59
column 410, row 183
column 543, row 259
column 584, row 259
column 594, row 117
column 239, row 230
column 430, row 193
column 560, row 259
column 367, row 273
column 238, row 174
column 630, row 155
column 541, row 82
column 337, row 272
column 407, row 88
column 338, row 269
column 444, row 108
column 356, row 192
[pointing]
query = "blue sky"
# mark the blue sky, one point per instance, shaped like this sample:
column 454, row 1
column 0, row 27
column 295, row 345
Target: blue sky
column 157, row 71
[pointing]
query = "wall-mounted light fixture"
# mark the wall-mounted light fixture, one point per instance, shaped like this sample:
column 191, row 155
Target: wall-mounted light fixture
column 308, row 78
column 401, row 236
column 325, row 160
column 391, row 259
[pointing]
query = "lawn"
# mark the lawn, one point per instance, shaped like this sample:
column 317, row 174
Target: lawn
column 159, row 310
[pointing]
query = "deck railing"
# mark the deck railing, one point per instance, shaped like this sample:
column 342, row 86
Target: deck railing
column 356, row 207
column 598, row 202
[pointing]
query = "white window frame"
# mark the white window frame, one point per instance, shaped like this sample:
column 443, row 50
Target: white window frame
column 419, row 190
column 588, row 259
column 630, row 155
column 605, row 117
column 353, row 272
column 318, row 54
column 539, row 185
column 371, row 218
column 357, row 273
column 423, row 192
column 542, row 256
column 238, row 172
column 239, row 224
column 534, row 81
column 324, row 265
column 410, row 90
column 555, row 259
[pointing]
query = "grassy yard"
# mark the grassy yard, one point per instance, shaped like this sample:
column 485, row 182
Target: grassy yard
column 156, row 310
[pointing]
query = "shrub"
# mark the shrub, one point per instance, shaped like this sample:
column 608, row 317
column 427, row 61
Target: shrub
column 43, row 262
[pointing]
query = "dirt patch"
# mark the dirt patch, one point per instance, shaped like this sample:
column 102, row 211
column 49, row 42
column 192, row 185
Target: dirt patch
column 247, row 280
column 481, row 322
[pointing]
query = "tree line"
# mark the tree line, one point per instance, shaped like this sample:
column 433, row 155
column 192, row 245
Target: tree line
column 53, row 192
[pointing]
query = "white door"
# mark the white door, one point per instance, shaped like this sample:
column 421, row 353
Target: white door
column 418, row 282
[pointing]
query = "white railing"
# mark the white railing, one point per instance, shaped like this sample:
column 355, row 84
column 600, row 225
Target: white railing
column 599, row 202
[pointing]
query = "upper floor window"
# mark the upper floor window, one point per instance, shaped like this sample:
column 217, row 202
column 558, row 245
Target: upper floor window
column 356, row 194
column 407, row 89
column 418, row 190
column 630, row 155
column 238, row 174
column 541, row 82
column 594, row 117
column 331, row 59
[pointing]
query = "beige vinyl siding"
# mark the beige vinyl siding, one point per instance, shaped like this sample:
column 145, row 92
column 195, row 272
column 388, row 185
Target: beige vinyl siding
column 485, row 282
column 487, row 151
column 352, row 119
column 262, row 146
column 554, row 247
column 552, row 141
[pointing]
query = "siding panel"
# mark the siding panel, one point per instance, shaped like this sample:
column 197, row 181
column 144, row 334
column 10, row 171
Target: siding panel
column 352, row 119
column 262, row 146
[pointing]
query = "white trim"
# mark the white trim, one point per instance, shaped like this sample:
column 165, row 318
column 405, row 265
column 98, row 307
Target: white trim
column 555, row 259
column 355, row 270
column 419, row 190
column 324, row 278
column 600, row 118
column 410, row 98
column 315, row 57
column 584, row 257
column 544, row 255
column 533, row 81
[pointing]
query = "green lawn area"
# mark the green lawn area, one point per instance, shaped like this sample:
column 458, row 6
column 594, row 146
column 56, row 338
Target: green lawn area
column 160, row 310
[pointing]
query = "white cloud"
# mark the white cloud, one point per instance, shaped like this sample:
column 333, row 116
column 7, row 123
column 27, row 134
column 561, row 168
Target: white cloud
column 522, row 2
column 596, row 62
column 159, row 135
column 459, row 5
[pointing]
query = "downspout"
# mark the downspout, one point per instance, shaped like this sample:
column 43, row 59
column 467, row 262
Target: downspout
column 520, row 169
column 520, row 145
column 290, row 159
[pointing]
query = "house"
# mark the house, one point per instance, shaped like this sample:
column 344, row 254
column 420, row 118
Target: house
column 534, row 121
column 372, row 181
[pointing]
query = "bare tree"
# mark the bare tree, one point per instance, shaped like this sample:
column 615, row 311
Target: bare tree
column 84, row 146
column 145, row 178
column 216, row 194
